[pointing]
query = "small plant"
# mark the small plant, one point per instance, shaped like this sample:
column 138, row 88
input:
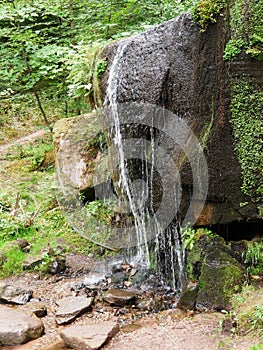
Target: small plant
column 233, row 49
column 101, row 211
column 248, row 310
column 101, row 67
column 254, row 257
column 191, row 236
column 206, row 11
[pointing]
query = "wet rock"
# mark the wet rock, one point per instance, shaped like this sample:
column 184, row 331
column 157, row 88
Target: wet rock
column 57, row 265
column 70, row 308
column 89, row 337
column 187, row 299
column 18, row 327
column 153, row 304
column 37, row 308
column 221, row 277
column 32, row 262
column 119, row 297
column 119, row 277
column 14, row 295
column 217, row 273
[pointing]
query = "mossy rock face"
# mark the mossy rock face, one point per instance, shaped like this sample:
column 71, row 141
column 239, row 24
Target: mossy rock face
column 221, row 276
column 215, row 268
column 204, row 246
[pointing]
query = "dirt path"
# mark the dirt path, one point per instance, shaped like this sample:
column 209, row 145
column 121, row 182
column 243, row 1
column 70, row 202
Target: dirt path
column 166, row 330
column 23, row 140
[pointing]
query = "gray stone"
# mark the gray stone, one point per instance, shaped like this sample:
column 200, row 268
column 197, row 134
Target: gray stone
column 37, row 308
column 71, row 307
column 18, row 327
column 31, row 262
column 119, row 297
column 89, row 337
column 14, row 295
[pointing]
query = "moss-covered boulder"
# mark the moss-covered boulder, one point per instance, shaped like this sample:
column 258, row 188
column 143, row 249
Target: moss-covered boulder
column 221, row 276
column 214, row 268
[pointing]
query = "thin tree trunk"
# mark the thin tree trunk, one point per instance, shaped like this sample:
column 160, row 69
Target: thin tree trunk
column 42, row 110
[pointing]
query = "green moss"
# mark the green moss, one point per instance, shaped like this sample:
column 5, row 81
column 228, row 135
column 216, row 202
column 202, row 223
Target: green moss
column 246, row 22
column 221, row 276
column 246, row 108
column 206, row 11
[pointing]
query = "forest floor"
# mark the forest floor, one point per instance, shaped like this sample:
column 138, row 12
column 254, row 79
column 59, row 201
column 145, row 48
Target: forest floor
column 164, row 330
column 156, row 331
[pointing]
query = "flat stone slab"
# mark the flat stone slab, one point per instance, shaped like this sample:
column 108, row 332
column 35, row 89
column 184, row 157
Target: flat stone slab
column 18, row 327
column 119, row 297
column 14, row 295
column 70, row 308
column 89, row 337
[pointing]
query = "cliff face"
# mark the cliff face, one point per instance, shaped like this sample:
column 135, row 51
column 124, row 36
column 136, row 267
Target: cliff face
column 176, row 66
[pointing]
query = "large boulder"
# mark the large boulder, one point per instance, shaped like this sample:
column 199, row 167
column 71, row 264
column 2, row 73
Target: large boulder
column 216, row 275
column 177, row 66
column 18, row 327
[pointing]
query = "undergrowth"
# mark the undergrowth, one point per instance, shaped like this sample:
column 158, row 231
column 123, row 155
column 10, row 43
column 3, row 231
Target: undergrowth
column 29, row 208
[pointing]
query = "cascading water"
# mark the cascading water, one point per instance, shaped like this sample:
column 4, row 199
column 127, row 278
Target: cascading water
column 168, row 246
column 142, row 254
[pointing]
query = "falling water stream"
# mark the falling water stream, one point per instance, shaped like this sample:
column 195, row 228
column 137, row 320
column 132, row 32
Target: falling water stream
column 168, row 246
column 142, row 254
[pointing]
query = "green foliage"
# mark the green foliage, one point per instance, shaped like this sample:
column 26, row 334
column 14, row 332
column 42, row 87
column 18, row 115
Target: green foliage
column 257, row 347
column 246, row 107
column 29, row 209
column 190, row 236
column 233, row 49
column 254, row 257
column 13, row 264
column 248, row 310
column 246, row 20
column 102, row 211
column 47, row 47
column 206, row 11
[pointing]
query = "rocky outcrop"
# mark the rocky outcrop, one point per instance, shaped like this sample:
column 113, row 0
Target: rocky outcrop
column 176, row 66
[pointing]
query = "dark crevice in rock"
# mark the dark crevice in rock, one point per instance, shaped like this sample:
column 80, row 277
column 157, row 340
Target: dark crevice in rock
column 238, row 230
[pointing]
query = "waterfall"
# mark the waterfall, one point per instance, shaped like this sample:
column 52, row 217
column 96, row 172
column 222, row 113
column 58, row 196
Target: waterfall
column 142, row 254
column 153, row 144
column 168, row 247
